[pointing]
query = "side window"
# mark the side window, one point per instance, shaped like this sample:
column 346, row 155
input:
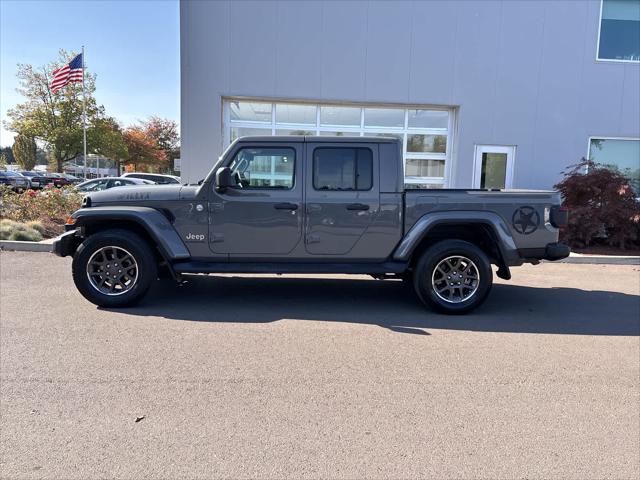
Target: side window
column 342, row 169
column 264, row 167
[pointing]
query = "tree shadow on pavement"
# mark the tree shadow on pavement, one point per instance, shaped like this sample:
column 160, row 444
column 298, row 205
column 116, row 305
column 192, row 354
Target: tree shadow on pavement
column 390, row 304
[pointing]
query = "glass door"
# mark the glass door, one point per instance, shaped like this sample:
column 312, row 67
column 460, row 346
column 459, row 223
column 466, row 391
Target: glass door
column 493, row 167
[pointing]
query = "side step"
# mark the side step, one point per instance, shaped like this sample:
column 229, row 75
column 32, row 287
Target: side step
column 240, row 267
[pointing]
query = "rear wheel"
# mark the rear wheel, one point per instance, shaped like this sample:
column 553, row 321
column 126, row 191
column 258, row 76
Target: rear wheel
column 114, row 268
column 453, row 276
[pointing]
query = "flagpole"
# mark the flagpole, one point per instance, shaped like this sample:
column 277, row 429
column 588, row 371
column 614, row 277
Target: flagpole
column 84, row 118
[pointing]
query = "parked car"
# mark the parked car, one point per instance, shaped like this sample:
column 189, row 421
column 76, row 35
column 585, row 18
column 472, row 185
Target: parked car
column 73, row 179
column 158, row 178
column 98, row 184
column 37, row 179
column 311, row 205
column 15, row 180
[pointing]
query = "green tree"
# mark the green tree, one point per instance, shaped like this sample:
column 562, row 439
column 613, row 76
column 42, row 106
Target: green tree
column 111, row 143
column 24, row 150
column 8, row 155
column 56, row 118
column 3, row 161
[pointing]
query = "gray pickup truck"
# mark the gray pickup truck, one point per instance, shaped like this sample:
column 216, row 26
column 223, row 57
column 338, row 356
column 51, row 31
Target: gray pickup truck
column 310, row 205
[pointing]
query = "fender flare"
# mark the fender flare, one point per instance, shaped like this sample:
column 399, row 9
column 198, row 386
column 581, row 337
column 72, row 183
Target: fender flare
column 151, row 220
column 505, row 243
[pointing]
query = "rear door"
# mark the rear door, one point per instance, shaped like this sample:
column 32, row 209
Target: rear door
column 342, row 195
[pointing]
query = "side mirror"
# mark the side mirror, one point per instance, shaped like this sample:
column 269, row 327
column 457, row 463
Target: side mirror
column 223, row 179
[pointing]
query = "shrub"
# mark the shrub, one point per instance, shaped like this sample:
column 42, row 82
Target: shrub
column 26, row 234
column 37, row 226
column 10, row 230
column 50, row 208
column 602, row 207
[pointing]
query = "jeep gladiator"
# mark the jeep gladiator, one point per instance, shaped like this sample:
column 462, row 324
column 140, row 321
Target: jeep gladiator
column 302, row 204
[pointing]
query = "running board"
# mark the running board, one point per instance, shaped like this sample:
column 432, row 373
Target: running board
column 240, row 267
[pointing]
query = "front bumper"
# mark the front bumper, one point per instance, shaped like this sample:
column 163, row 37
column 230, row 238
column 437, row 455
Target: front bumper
column 66, row 244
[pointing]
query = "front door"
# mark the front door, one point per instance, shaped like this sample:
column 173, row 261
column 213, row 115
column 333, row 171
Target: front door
column 342, row 195
column 262, row 214
column 493, row 168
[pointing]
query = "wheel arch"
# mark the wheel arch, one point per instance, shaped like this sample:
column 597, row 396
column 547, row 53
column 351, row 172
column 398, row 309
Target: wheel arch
column 149, row 223
column 486, row 230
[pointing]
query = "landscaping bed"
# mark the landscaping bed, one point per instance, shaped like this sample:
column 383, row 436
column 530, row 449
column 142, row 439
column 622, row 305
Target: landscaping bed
column 36, row 215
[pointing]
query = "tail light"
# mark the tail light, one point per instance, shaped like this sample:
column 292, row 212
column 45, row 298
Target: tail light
column 559, row 217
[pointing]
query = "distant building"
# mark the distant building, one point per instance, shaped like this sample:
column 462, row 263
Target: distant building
column 482, row 93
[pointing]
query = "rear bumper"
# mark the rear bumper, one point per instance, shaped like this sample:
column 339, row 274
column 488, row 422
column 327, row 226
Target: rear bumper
column 553, row 251
column 556, row 251
column 65, row 244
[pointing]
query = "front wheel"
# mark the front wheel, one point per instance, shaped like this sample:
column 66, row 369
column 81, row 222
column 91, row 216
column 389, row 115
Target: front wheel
column 453, row 277
column 114, row 268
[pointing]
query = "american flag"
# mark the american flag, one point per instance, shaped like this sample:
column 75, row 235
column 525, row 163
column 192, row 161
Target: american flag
column 71, row 73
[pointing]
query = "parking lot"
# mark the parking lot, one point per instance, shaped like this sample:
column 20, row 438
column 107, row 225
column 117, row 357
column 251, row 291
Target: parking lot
column 320, row 377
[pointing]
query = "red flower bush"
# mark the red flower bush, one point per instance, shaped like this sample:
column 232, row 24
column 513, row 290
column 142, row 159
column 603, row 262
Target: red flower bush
column 603, row 208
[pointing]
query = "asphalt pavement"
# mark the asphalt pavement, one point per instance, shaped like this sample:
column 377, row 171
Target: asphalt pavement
column 320, row 377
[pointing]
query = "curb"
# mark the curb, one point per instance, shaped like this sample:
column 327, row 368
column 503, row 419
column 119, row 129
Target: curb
column 19, row 246
column 574, row 258
column 577, row 258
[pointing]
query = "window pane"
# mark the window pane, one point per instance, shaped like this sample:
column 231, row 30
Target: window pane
column 494, row 170
column 264, row 167
column 237, row 132
column 428, row 119
column 300, row 114
column 250, row 112
column 295, row 132
column 427, row 143
column 620, row 30
column 339, row 134
column 429, row 186
column 424, row 168
column 399, row 136
column 383, row 117
column 623, row 155
column 346, row 116
column 342, row 169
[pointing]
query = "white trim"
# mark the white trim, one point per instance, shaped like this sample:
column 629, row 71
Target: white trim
column 603, row 137
column 608, row 60
column 509, row 150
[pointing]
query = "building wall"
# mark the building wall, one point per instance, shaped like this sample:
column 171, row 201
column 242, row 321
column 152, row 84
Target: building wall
column 520, row 73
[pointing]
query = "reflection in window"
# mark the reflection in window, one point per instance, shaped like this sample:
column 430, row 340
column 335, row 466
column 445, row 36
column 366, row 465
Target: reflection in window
column 297, row 114
column 424, row 168
column 619, row 154
column 237, row 132
column 620, row 30
column 339, row 134
column 250, row 112
column 343, row 116
column 427, row 143
column 264, row 167
column 383, row 117
column 342, row 169
column 428, row 119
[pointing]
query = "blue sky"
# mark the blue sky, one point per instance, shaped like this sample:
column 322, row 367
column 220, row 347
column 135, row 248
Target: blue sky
column 132, row 46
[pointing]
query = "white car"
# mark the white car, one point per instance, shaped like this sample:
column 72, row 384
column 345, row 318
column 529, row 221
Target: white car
column 158, row 178
column 105, row 183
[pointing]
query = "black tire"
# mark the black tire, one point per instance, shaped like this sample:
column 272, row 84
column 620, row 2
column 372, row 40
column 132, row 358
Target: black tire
column 137, row 247
column 423, row 277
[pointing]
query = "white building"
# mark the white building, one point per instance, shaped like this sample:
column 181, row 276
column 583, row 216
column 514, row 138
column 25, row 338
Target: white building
column 482, row 93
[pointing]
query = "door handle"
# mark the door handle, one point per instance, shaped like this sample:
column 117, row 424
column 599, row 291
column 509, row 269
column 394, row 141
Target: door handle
column 357, row 206
column 286, row 206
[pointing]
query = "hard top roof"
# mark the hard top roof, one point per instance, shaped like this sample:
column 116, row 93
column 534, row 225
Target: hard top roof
column 316, row 139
